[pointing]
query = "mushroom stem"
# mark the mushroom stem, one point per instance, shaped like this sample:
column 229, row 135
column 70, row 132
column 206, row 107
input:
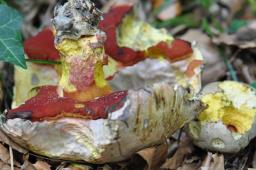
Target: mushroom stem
column 80, row 43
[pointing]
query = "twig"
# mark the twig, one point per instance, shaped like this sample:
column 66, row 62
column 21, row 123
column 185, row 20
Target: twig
column 233, row 57
column 180, row 133
column 11, row 157
column 230, row 67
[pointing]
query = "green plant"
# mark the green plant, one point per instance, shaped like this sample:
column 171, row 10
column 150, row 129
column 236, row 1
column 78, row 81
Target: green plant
column 11, row 48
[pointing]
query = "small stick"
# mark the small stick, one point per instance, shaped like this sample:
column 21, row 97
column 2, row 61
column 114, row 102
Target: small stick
column 11, row 157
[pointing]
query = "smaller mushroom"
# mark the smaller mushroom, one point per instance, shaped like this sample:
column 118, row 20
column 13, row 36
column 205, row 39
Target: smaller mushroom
column 227, row 124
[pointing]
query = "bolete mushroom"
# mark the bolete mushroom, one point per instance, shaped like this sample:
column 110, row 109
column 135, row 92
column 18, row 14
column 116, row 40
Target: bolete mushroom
column 141, row 105
column 228, row 123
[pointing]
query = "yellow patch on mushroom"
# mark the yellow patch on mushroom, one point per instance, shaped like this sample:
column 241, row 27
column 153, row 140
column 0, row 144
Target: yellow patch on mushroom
column 99, row 75
column 69, row 47
column 89, row 51
column 139, row 35
column 234, row 106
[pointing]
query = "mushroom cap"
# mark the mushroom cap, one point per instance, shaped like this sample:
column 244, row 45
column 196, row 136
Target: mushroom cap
column 156, row 106
column 216, row 135
column 149, row 116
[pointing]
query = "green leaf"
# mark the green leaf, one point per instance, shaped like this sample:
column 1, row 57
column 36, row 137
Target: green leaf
column 206, row 3
column 11, row 48
column 229, row 66
column 236, row 24
column 252, row 4
column 188, row 20
column 2, row 2
column 206, row 27
column 253, row 84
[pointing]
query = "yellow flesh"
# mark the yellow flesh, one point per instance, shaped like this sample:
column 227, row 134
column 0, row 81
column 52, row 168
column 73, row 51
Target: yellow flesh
column 139, row 35
column 70, row 47
column 81, row 48
column 234, row 106
column 34, row 76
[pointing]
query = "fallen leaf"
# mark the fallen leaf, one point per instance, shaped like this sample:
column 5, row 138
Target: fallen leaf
column 192, row 163
column 112, row 3
column 6, row 140
column 4, row 166
column 105, row 167
column 233, row 6
column 27, row 166
column 41, row 165
column 213, row 162
column 244, row 38
column 5, row 156
column 171, row 11
column 155, row 156
column 76, row 167
column 185, row 148
column 214, row 67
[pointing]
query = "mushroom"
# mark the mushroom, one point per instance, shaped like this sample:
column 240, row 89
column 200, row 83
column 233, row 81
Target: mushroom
column 228, row 123
column 92, row 117
column 148, row 117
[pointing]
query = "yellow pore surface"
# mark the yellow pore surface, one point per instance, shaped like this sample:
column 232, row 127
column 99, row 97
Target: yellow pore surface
column 234, row 106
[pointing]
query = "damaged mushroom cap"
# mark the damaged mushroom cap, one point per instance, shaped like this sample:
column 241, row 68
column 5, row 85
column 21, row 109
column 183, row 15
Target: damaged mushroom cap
column 228, row 123
column 151, row 113
column 57, row 126
column 75, row 18
column 148, row 116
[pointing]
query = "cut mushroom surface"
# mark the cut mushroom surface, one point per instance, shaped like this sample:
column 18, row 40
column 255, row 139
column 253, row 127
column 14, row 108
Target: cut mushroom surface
column 228, row 122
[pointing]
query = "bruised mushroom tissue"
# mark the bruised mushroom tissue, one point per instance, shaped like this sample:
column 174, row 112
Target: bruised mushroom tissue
column 75, row 18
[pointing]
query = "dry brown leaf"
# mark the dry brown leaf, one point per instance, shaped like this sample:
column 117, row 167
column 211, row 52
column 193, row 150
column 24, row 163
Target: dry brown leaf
column 244, row 38
column 157, row 3
column 214, row 67
column 213, row 162
column 192, row 163
column 4, row 166
column 233, row 5
column 109, row 4
column 177, row 159
column 41, row 165
column 155, row 156
column 105, row 167
column 75, row 167
column 171, row 11
column 6, row 140
column 5, row 156
column 188, row 167
column 27, row 166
